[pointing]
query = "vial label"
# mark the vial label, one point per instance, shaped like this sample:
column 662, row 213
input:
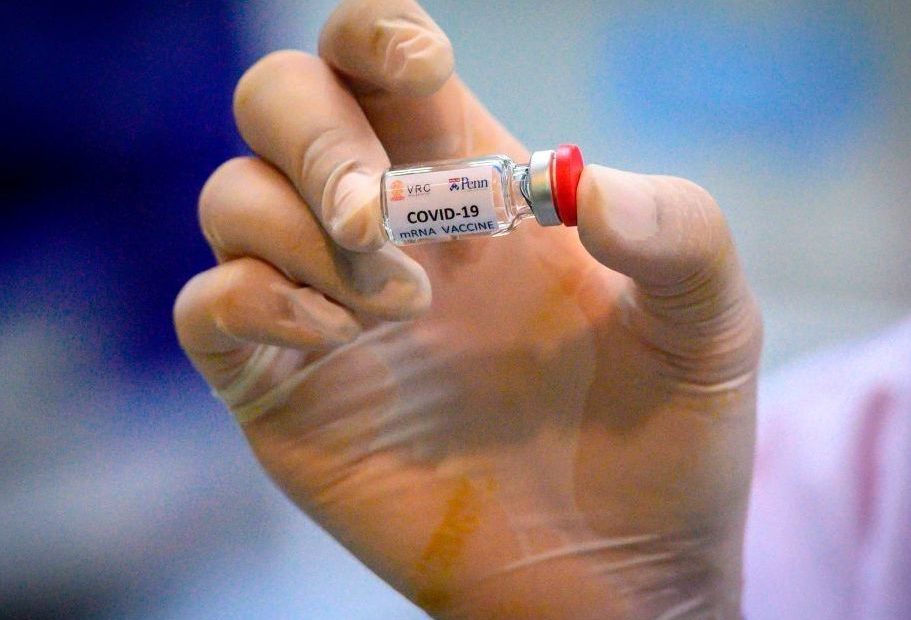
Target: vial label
column 440, row 205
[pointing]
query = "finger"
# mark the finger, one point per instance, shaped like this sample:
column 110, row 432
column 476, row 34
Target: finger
column 399, row 64
column 249, row 330
column 670, row 237
column 408, row 53
column 247, row 208
column 246, row 301
column 293, row 111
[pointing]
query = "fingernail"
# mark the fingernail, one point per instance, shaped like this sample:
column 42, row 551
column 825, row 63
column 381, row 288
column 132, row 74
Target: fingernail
column 418, row 56
column 627, row 202
column 393, row 281
column 355, row 219
column 406, row 298
column 311, row 309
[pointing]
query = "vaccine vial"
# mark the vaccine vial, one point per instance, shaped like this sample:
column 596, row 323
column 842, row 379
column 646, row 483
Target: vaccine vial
column 489, row 195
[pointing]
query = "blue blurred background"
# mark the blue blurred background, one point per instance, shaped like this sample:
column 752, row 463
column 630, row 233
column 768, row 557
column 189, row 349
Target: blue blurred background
column 125, row 490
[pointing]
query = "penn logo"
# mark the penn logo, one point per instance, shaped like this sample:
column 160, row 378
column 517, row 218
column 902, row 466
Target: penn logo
column 462, row 183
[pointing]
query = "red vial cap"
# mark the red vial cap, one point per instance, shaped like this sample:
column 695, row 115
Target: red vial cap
column 568, row 166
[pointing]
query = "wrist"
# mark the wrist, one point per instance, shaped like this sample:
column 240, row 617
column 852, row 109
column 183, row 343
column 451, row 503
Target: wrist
column 627, row 577
column 695, row 576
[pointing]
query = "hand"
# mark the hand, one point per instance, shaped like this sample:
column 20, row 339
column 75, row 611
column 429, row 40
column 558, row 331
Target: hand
column 564, row 432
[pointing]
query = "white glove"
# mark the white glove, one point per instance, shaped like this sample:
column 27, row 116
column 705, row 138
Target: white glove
column 566, row 431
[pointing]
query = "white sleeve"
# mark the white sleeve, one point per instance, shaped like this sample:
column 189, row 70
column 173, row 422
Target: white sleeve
column 829, row 528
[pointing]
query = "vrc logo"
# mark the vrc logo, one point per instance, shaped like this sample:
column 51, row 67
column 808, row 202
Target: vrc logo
column 397, row 190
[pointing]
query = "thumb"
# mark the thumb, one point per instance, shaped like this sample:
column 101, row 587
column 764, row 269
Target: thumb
column 669, row 235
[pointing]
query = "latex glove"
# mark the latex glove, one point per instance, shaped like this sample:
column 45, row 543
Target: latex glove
column 565, row 432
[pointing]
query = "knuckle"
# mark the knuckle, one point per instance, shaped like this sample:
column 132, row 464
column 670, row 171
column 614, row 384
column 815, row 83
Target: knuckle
column 273, row 68
column 187, row 306
column 215, row 193
column 222, row 180
column 182, row 302
column 267, row 68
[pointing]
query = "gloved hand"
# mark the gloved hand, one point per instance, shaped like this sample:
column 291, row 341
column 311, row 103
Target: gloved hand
column 564, row 432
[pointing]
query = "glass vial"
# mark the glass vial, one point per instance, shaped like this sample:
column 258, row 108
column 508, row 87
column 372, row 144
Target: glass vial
column 489, row 195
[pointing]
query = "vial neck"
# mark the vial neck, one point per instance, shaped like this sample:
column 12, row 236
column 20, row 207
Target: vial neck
column 519, row 192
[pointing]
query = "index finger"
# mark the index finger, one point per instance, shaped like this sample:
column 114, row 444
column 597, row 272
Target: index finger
column 399, row 64
column 292, row 110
